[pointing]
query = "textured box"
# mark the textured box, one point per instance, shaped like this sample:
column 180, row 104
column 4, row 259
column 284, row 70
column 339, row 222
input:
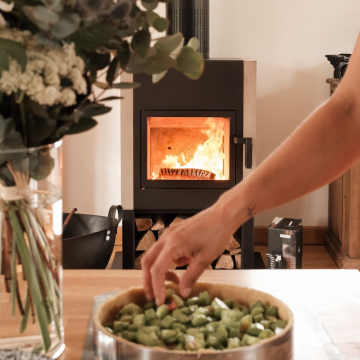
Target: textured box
column 285, row 242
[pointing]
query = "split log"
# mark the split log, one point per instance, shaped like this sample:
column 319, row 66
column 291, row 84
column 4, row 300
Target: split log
column 159, row 223
column 232, row 244
column 138, row 261
column 225, row 262
column 143, row 223
column 238, row 261
column 147, row 240
column 209, row 267
column 160, row 232
column 179, row 219
column 186, row 174
column 235, row 251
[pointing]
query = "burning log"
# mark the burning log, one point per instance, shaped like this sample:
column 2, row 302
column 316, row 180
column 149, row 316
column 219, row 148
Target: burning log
column 186, row 174
column 238, row 261
column 225, row 262
column 143, row 223
column 159, row 223
column 147, row 240
column 232, row 244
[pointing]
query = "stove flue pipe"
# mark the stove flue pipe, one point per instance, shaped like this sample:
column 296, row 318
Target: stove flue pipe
column 191, row 18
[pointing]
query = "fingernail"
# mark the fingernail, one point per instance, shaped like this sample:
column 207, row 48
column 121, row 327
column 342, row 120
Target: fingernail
column 186, row 292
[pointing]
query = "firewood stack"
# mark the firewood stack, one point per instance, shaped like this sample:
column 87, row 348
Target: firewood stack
column 150, row 229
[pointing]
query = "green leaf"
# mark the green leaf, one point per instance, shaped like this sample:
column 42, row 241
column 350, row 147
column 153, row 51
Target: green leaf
column 66, row 26
column 41, row 165
column 83, row 125
column 99, row 61
column 157, row 77
column 125, row 85
column 35, row 108
column 4, row 62
column 161, row 24
column 194, row 43
column 151, row 17
column 15, row 50
column 159, row 63
column 149, row 4
column 113, row 70
column 110, row 98
column 190, row 63
column 139, row 64
column 41, row 16
column 94, row 109
column 93, row 37
column 42, row 40
column 102, row 85
column 141, row 42
column 6, row 127
column 123, row 54
column 169, row 43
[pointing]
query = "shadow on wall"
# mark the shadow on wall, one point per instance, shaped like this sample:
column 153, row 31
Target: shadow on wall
column 278, row 115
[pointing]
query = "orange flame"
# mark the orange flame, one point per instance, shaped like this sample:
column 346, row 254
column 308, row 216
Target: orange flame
column 209, row 156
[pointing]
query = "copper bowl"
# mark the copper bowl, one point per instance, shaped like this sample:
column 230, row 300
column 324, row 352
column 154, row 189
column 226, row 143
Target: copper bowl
column 111, row 347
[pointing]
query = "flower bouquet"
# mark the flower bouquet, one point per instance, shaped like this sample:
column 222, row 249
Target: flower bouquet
column 53, row 53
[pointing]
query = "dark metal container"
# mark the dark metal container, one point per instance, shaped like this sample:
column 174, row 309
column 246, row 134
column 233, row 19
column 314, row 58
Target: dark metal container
column 88, row 240
column 191, row 18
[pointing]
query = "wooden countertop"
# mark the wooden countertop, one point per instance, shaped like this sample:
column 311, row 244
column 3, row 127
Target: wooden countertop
column 334, row 294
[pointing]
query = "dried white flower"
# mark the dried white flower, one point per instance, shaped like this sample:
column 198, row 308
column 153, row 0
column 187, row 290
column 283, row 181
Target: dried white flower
column 67, row 97
column 45, row 69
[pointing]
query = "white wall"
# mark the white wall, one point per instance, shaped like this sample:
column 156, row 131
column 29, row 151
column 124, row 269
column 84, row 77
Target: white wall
column 289, row 39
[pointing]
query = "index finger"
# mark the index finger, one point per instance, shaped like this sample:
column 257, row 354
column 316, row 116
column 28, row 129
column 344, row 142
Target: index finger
column 146, row 263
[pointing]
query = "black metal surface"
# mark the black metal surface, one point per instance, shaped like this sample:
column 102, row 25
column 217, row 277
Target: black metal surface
column 248, row 150
column 191, row 18
column 186, row 184
column 85, row 244
column 220, row 90
column 128, row 234
column 247, row 245
column 340, row 63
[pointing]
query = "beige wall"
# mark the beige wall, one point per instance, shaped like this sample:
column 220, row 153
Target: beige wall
column 289, row 39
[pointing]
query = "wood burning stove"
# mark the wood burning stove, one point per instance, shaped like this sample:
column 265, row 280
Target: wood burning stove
column 182, row 145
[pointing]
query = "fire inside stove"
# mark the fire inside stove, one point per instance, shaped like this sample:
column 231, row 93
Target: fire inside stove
column 188, row 148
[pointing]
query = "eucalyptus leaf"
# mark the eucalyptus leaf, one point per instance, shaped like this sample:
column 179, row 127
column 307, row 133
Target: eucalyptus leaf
column 66, row 26
column 125, row 85
column 123, row 54
column 113, row 70
column 159, row 63
column 102, row 85
column 42, row 40
column 139, row 64
column 15, row 50
column 83, row 125
column 35, row 108
column 110, row 98
column 121, row 10
column 93, row 37
column 42, row 17
column 4, row 62
column 149, row 4
column 169, row 43
column 99, row 61
column 194, row 43
column 157, row 77
column 41, row 165
column 141, row 42
column 151, row 16
column 190, row 62
column 161, row 24
column 6, row 127
column 40, row 129
column 94, row 109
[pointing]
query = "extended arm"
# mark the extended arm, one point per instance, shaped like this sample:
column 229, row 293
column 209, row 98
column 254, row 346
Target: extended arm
column 323, row 147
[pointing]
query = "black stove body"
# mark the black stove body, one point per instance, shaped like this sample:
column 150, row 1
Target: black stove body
column 225, row 90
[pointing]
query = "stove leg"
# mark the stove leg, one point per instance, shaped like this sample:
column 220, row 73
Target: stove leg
column 128, row 228
column 247, row 245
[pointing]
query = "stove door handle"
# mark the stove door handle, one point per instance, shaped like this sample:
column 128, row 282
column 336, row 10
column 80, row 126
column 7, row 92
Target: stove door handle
column 248, row 149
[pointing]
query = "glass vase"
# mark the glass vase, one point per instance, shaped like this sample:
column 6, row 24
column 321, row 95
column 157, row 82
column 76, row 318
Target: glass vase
column 30, row 243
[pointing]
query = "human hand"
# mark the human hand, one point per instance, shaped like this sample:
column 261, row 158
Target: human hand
column 196, row 241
